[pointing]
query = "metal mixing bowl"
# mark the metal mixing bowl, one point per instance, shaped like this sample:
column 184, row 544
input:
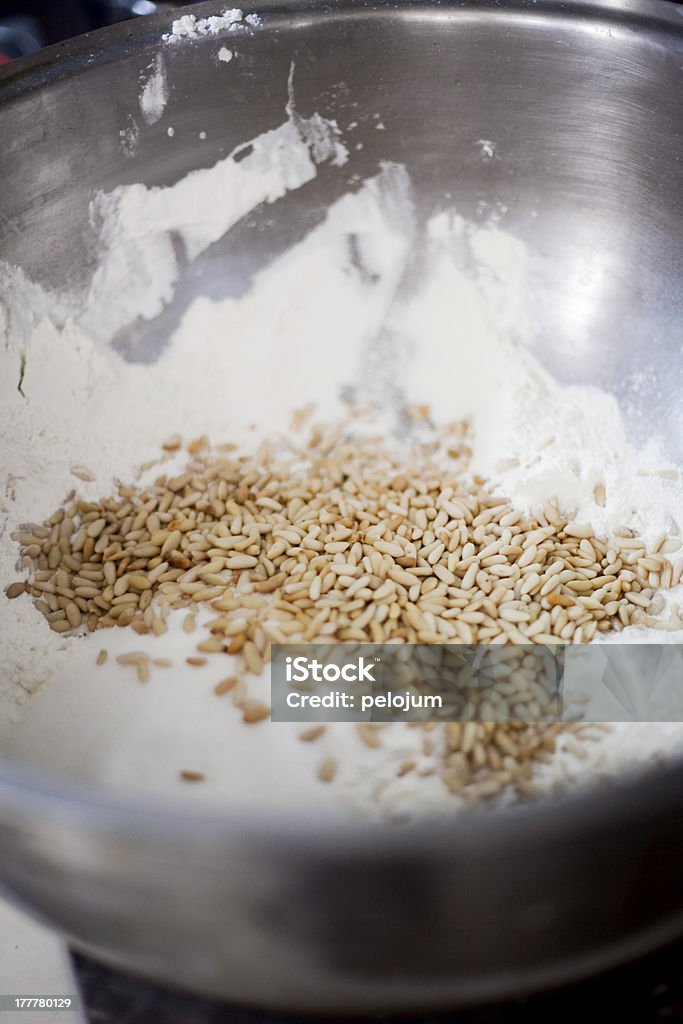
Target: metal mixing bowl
column 583, row 102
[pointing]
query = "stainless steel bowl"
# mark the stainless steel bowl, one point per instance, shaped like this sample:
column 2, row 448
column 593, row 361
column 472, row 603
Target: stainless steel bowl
column 583, row 101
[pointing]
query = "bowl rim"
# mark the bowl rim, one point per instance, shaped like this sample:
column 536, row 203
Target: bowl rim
column 104, row 44
column 27, row 797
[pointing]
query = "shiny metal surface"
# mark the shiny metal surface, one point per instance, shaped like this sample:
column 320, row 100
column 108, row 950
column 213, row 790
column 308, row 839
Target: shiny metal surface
column 584, row 102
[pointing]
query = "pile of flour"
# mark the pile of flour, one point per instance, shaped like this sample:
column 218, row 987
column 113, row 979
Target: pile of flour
column 371, row 304
column 189, row 26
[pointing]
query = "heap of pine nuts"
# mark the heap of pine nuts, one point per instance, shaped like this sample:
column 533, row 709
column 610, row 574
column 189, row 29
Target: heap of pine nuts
column 338, row 539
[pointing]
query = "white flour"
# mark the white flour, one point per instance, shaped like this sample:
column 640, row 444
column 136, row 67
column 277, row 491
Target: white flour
column 189, row 26
column 536, row 438
column 129, row 136
column 139, row 228
column 154, row 94
column 326, row 316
